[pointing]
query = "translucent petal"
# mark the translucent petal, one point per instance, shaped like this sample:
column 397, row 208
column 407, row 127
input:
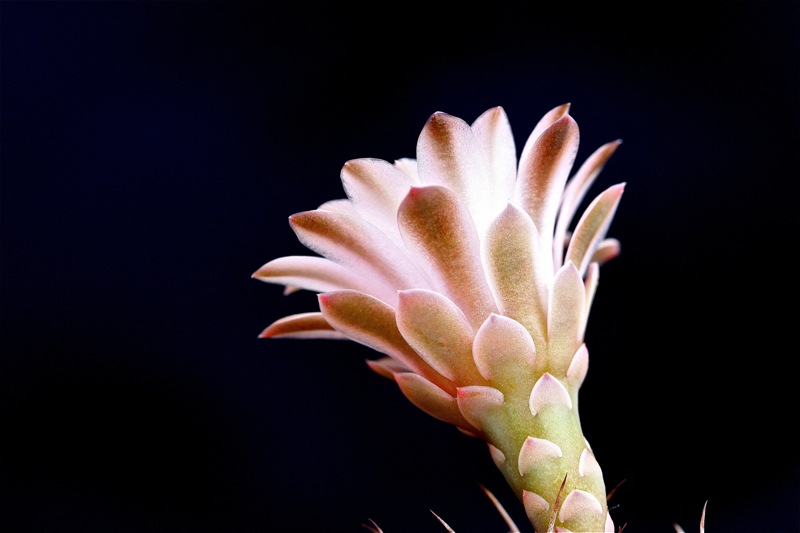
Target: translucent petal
column 494, row 134
column 360, row 246
column 565, row 319
column 301, row 326
column 376, row 188
column 592, row 226
column 371, row 322
column 449, row 154
column 576, row 190
column 311, row 273
column 440, row 235
column 408, row 166
column 439, row 332
column 544, row 166
column 519, row 278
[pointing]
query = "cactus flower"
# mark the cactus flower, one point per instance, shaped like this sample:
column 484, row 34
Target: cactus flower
column 468, row 271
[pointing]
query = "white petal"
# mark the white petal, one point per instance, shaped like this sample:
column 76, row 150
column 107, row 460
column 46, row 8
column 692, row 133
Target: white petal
column 494, row 134
column 311, row 273
column 359, row 246
column 376, row 188
column 449, row 154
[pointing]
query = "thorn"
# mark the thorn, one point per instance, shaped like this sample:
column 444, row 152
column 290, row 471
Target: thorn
column 373, row 528
column 509, row 522
column 556, row 507
column 448, row 528
column 703, row 518
column 610, row 494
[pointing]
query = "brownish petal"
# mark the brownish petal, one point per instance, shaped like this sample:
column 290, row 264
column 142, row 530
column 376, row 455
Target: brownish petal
column 439, row 232
column 544, row 166
column 449, row 154
column 301, row 326
column 371, row 322
column 576, row 190
column 360, row 246
column 439, row 332
column 592, row 226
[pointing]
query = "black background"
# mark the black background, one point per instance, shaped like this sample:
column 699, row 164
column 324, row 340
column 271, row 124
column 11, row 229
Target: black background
column 152, row 152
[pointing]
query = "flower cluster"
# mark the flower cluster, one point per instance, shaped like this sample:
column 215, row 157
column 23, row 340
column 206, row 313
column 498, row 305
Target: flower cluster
column 467, row 270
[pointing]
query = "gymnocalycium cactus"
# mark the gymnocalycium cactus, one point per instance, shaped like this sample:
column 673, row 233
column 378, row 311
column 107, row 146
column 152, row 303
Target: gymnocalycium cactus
column 467, row 270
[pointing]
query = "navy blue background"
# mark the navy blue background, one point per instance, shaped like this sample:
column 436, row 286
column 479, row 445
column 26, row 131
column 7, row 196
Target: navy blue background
column 152, row 152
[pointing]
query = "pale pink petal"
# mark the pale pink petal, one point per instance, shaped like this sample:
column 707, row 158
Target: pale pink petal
column 431, row 399
column 588, row 465
column 520, row 283
column 311, row 273
column 371, row 322
column 536, row 451
column 578, row 367
column 359, row 246
column 376, row 188
column 606, row 250
column 439, row 332
column 565, row 319
column 340, row 205
column 438, row 231
column 449, row 154
column 504, row 352
column 301, row 326
column 548, row 391
column 592, row 226
column 408, row 166
column 578, row 504
column 544, row 166
column 549, row 118
column 497, row 455
column 576, row 190
column 534, row 505
column 494, row 134
column 480, row 404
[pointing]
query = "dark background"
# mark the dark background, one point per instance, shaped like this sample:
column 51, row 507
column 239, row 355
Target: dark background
column 152, row 152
